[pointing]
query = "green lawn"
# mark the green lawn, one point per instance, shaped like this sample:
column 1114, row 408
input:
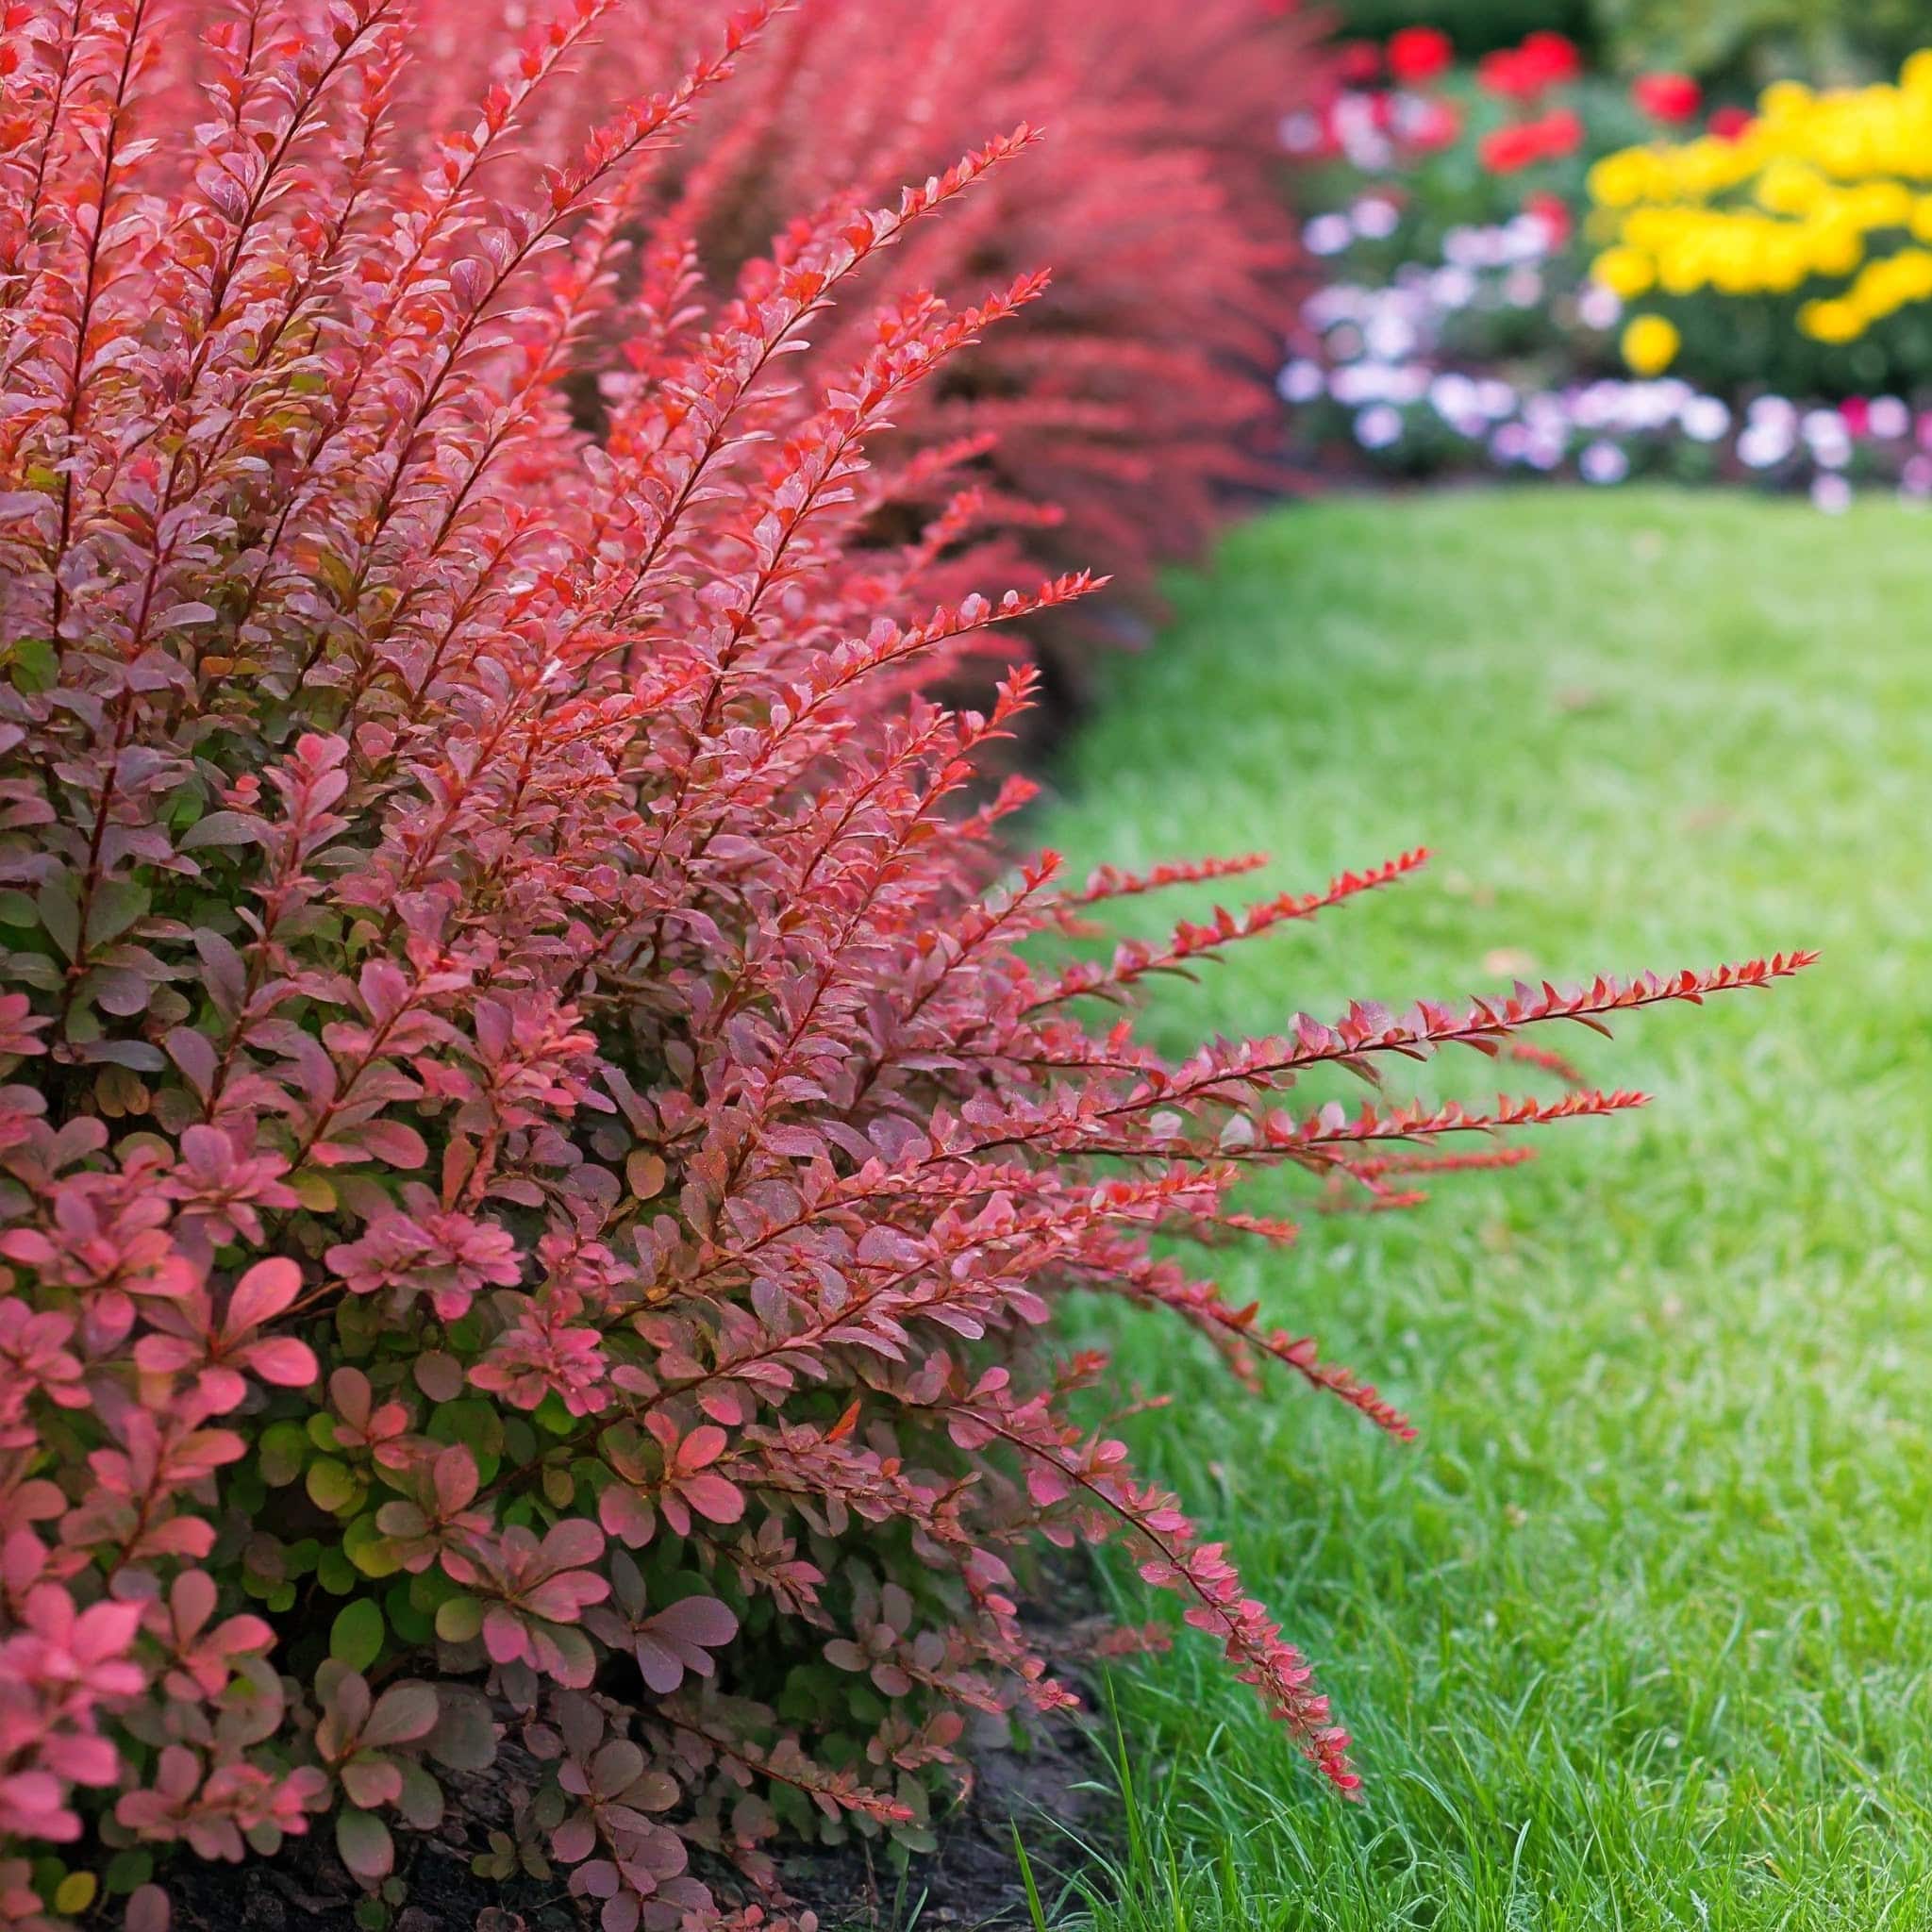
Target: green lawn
column 1638, row 1634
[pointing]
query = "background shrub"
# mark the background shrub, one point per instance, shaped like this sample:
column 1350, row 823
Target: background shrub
column 1731, row 41
column 1116, row 418
column 536, row 1176
column 1477, row 27
column 1756, row 41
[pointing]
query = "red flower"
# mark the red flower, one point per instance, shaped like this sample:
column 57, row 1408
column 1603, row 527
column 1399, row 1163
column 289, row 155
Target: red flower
column 1358, row 63
column 1671, row 97
column 1527, row 73
column 1508, row 74
column 1509, row 150
column 1561, row 133
column 1555, row 54
column 1553, row 211
column 1731, row 124
column 1418, row 54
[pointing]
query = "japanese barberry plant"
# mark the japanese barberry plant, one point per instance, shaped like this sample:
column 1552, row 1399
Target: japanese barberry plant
column 537, row 1171
column 1118, row 416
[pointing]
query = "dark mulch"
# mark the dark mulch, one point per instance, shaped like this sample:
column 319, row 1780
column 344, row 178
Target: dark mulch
column 307, row 1889
column 1054, row 1785
column 1051, row 1783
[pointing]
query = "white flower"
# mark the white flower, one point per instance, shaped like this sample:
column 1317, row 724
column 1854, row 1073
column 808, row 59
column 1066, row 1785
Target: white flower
column 1599, row 307
column 1388, row 336
column 1302, row 382
column 1378, row 427
column 1603, row 462
column 1408, row 383
column 1828, row 438
column 1510, row 444
column 1523, row 287
column 1452, row 289
column 1524, row 238
column 1495, row 398
column 1704, row 419
column 1451, row 396
column 1545, row 415
column 1359, row 382
column 1890, row 419
column 1374, row 216
column 1327, row 235
column 1764, row 445
column 1832, row 494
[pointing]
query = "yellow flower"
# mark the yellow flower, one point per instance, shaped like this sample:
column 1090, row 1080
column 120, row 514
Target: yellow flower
column 1789, row 188
column 1626, row 271
column 1651, row 344
column 1831, row 322
column 1837, row 247
column 1786, row 100
column 1817, row 179
column 1621, row 179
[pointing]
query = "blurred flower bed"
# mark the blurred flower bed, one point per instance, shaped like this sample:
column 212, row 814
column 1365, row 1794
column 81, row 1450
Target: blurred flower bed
column 1529, row 269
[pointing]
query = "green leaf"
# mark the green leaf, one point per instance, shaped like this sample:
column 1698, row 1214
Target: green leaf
column 363, row 1840
column 332, row 1484
column 60, row 914
column 458, row 1619
column 335, row 1572
column 221, row 828
column 356, row 1635
column 366, row 1547
column 284, row 1450
column 411, row 1624
column 75, row 1893
column 117, row 903
column 127, row 1870
column 32, row 666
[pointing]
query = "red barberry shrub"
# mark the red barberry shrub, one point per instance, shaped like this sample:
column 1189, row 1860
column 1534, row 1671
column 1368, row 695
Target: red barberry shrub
column 536, row 1174
column 1117, row 418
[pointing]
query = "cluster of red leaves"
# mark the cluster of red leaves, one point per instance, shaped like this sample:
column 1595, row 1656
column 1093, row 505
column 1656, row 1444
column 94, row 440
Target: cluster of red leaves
column 542, row 1172
column 1114, row 420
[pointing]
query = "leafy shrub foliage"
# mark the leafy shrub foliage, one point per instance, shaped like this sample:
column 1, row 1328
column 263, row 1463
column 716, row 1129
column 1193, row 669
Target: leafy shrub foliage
column 536, row 1174
column 1114, row 421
